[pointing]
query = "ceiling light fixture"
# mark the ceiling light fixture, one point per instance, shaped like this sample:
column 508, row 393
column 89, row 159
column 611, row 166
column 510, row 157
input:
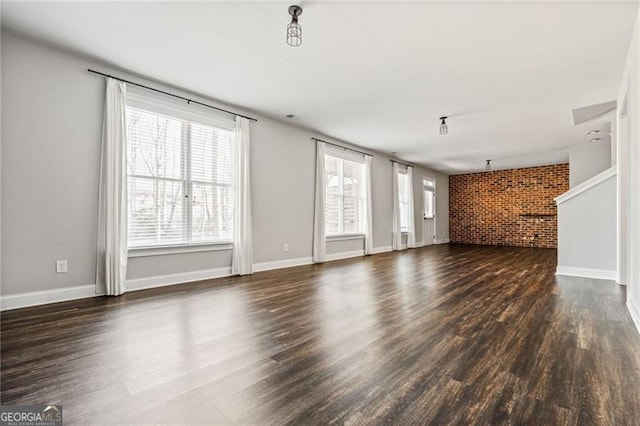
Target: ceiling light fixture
column 294, row 29
column 591, row 132
column 594, row 139
column 487, row 167
column 444, row 129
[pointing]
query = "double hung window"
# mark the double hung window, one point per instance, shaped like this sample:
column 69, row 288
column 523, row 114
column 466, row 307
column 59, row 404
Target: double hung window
column 346, row 194
column 180, row 170
column 403, row 192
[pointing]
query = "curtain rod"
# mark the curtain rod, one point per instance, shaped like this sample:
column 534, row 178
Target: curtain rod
column 343, row 147
column 171, row 94
column 400, row 162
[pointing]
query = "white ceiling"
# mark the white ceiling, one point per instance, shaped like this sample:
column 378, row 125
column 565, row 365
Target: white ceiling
column 375, row 74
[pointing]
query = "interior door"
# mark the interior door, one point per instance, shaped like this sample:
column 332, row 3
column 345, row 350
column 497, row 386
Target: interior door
column 429, row 213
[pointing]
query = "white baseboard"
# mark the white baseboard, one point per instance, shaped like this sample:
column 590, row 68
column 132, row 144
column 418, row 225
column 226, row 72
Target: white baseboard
column 23, row 300
column 384, row 249
column 419, row 244
column 635, row 314
column 601, row 274
column 185, row 277
column 443, row 241
column 279, row 264
column 33, row 298
column 344, row 255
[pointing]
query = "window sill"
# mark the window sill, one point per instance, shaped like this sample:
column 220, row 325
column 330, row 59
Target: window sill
column 345, row 237
column 177, row 249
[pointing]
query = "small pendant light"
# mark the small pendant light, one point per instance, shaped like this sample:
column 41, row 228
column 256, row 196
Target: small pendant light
column 488, row 166
column 444, row 129
column 294, row 29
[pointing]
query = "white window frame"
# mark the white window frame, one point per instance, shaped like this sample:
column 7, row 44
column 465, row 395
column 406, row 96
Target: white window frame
column 405, row 202
column 343, row 155
column 429, row 187
column 190, row 114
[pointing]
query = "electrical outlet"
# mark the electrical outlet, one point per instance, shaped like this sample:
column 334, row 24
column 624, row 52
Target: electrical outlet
column 61, row 266
column 286, row 247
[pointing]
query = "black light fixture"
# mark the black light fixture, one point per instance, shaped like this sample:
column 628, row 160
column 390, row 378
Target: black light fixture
column 294, row 29
column 487, row 167
column 444, row 129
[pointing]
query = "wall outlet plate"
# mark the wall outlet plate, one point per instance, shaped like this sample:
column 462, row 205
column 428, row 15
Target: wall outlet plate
column 61, row 266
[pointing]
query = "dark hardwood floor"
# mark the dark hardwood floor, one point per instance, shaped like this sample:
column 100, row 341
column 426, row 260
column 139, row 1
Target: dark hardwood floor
column 450, row 334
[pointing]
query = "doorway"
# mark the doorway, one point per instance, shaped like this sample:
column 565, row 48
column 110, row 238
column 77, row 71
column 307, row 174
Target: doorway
column 429, row 211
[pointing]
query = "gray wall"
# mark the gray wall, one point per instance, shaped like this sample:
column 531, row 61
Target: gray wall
column 51, row 124
column 586, row 161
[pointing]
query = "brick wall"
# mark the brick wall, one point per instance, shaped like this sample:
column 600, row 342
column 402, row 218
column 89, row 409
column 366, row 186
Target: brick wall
column 507, row 207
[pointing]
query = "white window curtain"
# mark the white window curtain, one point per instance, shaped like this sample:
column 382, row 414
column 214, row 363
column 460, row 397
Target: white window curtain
column 242, row 258
column 396, row 242
column 368, row 214
column 112, row 207
column 319, row 243
column 411, row 225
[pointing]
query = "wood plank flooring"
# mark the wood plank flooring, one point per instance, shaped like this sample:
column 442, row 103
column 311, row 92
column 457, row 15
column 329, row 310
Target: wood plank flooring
column 449, row 334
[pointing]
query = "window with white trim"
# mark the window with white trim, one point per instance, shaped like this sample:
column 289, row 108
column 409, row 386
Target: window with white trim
column 403, row 193
column 180, row 170
column 346, row 194
column 429, row 198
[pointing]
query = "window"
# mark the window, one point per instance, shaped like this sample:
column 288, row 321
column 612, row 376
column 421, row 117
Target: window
column 345, row 196
column 403, row 192
column 429, row 199
column 180, row 175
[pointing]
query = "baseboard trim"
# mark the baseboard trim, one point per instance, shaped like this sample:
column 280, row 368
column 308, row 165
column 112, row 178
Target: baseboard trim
column 635, row 314
column 385, row 249
column 344, row 255
column 280, row 264
column 43, row 297
column 601, row 274
column 172, row 279
column 443, row 241
column 35, row 298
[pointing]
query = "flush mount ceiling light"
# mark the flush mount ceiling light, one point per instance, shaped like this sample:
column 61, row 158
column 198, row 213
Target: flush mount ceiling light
column 294, row 29
column 591, row 132
column 487, row 167
column 594, row 139
column 444, row 129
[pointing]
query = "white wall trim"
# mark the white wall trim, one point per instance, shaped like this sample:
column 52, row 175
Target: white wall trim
column 177, row 249
column 345, row 237
column 171, row 279
column 383, row 249
column 280, row 264
column 635, row 314
column 443, row 241
column 42, row 297
column 420, row 244
column 344, row 255
column 601, row 274
column 589, row 183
